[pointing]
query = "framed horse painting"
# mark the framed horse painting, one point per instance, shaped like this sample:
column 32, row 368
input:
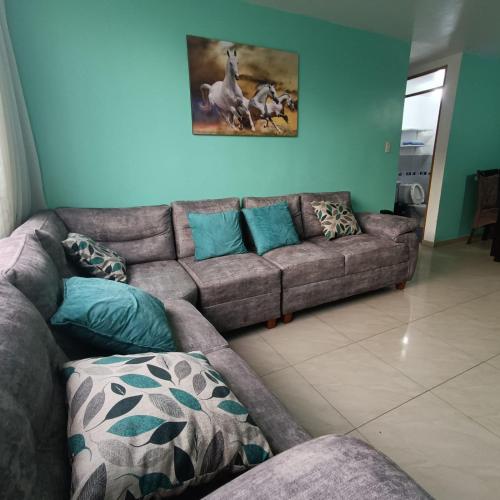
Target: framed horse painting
column 239, row 89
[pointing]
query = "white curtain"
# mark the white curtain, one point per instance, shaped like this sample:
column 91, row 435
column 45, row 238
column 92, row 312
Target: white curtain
column 21, row 191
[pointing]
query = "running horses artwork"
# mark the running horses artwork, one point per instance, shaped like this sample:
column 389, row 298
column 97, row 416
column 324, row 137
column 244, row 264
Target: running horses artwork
column 239, row 89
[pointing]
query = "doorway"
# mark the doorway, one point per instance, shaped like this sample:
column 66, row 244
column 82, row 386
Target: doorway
column 420, row 127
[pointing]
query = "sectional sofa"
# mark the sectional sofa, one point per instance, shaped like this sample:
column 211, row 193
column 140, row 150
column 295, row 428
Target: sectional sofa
column 231, row 292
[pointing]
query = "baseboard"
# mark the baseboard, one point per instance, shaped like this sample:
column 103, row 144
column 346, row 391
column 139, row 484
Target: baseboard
column 443, row 243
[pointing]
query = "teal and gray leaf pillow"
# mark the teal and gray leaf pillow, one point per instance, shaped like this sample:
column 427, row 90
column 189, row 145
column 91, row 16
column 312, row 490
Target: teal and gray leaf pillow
column 336, row 219
column 154, row 424
column 94, row 258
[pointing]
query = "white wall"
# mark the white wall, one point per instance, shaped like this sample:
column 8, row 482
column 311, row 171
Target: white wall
column 453, row 72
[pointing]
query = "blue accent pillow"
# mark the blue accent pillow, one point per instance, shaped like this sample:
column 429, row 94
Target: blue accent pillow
column 216, row 234
column 271, row 227
column 113, row 316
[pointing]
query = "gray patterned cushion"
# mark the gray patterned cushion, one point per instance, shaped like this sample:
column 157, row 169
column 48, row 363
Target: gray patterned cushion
column 96, row 259
column 336, row 219
column 312, row 226
column 147, row 423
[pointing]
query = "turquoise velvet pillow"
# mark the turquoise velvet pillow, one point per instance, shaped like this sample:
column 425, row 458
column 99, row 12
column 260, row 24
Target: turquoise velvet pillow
column 271, row 227
column 113, row 316
column 216, row 234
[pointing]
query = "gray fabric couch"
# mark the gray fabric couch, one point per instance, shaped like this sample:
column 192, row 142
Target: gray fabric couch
column 33, row 454
column 318, row 270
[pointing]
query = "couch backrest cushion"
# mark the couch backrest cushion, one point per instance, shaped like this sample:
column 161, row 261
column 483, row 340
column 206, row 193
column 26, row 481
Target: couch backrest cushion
column 312, row 226
column 180, row 209
column 293, row 201
column 33, row 454
column 50, row 231
column 46, row 220
column 139, row 234
column 27, row 266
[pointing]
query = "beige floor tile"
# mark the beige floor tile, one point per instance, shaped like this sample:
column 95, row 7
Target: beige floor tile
column 257, row 352
column 440, row 293
column 425, row 359
column 402, row 306
column 310, row 409
column 356, row 319
column 473, row 336
column 357, row 384
column 477, row 394
column 495, row 362
column 484, row 309
column 446, row 452
column 306, row 336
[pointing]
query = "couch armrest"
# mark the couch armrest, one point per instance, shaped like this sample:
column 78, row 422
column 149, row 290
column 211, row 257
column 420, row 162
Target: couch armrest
column 329, row 467
column 384, row 225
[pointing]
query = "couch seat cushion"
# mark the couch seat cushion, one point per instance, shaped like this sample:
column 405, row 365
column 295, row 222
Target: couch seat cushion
column 306, row 263
column 165, row 279
column 232, row 277
column 168, row 421
column 363, row 252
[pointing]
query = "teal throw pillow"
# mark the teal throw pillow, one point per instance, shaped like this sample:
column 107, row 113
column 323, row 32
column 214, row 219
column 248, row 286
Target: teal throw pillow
column 271, row 227
column 216, row 234
column 114, row 317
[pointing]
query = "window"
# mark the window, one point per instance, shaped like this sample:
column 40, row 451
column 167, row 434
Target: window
column 424, row 83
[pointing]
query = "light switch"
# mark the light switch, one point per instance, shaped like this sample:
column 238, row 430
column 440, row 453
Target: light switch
column 387, row 147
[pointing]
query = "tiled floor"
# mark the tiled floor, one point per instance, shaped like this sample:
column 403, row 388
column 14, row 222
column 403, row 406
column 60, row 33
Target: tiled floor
column 415, row 373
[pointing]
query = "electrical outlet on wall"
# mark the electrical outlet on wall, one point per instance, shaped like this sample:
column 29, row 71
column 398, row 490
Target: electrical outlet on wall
column 387, row 147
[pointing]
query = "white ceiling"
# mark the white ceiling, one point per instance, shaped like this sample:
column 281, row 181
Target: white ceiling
column 436, row 27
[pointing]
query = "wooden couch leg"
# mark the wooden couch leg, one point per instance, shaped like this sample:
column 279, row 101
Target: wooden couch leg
column 401, row 285
column 271, row 323
column 287, row 318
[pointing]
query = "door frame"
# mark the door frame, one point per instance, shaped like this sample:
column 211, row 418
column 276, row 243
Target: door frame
column 442, row 87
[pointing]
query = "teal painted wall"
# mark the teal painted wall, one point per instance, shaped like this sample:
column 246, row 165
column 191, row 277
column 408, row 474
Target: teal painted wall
column 474, row 143
column 106, row 83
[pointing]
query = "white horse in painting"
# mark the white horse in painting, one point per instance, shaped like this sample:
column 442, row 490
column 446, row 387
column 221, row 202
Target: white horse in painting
column 277, row 109
column 258, row 105
column 226, row 95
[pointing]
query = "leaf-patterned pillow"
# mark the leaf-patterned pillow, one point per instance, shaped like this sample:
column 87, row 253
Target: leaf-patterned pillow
column 336, row 219
column 154, row 424
column 96, row 259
